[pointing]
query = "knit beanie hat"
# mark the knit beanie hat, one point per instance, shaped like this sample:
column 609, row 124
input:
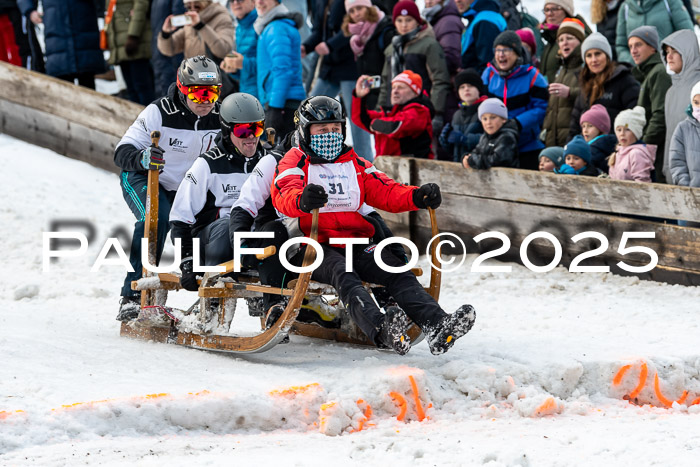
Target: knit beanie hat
column 493, row 106
column 596, row 41
column 470, row 76
column 509, row 39
column 578, row 147
column 648, row 34
column 528, row 37
column 572, row 26
column 695, row 91
column 413, row 80
column 351, row 3
column 633, row 119
column 554, row 154
column 407, row 8
column 567, row 5
column 598, row 117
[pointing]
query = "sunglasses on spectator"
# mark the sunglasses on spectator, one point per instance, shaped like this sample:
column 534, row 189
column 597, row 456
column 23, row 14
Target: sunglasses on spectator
column 504, row 51
column 246, row 130
column 552, row 9
column 201, row 94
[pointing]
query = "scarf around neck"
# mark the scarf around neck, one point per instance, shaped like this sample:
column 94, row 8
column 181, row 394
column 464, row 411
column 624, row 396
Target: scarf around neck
column 397, row 57
column 361, row 33
column 262, row 21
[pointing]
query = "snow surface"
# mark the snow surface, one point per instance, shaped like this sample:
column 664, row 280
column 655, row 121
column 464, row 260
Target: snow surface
column 531, row 384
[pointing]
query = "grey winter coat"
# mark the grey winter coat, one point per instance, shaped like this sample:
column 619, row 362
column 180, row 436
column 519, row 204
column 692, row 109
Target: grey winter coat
column 678, row 96
column 684, row 157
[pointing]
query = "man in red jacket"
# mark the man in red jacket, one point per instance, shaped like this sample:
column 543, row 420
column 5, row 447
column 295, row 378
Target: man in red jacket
column 405, row 129
column 322, row 173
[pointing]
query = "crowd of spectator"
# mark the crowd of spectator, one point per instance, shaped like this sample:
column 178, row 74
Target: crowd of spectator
column 476, row 82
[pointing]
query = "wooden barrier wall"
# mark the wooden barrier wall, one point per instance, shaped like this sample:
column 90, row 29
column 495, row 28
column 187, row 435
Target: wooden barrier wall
column 518, row 203
column 71, row 120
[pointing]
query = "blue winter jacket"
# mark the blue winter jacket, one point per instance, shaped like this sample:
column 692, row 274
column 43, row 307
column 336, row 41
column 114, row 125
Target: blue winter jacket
column 247, row 45
column 71, row 35
column 524, row 92
column 279, row 62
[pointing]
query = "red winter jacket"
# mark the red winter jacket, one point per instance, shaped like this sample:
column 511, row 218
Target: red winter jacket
column 350, row 182
column 413, row 134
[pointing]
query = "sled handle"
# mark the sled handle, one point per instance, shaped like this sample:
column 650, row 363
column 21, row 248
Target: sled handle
column 150, row 230
column 435, row 273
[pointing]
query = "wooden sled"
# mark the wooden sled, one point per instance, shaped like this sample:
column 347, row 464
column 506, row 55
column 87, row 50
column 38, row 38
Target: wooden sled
column 209, row 328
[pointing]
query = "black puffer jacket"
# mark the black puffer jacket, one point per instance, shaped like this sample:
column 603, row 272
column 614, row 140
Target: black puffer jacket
column 339, row 65
column 371, row 62
column 621, row 92
column 497, row 150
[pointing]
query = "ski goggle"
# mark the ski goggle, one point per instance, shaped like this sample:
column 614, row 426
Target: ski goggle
column 201, row 94
column 246, row 130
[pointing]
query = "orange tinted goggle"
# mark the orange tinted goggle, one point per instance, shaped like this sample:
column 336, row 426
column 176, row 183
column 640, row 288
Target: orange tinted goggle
column 246, row 130
column 201, row 94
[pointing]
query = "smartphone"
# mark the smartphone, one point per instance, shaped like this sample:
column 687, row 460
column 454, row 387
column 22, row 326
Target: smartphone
column 180, row 20
column 375, row 82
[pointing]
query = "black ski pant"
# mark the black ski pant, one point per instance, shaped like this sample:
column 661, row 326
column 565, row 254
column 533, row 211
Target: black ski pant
column 404, row 287
column 134, row 187
column 270, row 269
column 214, row 243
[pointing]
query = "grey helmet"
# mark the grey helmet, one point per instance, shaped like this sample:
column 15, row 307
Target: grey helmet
column 198, row 71
column 239, row 108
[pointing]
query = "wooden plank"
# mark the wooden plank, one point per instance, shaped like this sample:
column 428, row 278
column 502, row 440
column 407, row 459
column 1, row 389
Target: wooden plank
column 466, row 216
column 77, row 104
column 568, row 191
column 587, row 193
column 64, row 137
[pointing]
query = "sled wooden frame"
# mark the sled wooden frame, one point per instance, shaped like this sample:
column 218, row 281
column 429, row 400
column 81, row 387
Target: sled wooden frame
column 285, row 324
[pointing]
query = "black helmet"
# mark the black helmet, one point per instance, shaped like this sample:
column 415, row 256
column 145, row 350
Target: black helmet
column 239, row 108
column 318, row 109
column 198, row 71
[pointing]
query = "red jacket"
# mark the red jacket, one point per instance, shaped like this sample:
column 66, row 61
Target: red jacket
column 350, row 182
column 413, row 134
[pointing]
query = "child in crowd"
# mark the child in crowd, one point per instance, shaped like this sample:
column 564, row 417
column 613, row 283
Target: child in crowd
column 633, row 160
column 463, row 134
column 498, row 146
column 595, row 126
column 527, row 36
column 684, row 158
column 577, row 158
column 551, row 159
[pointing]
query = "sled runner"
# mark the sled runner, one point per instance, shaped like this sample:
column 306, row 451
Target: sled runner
column 206, row 325
column 209, row 328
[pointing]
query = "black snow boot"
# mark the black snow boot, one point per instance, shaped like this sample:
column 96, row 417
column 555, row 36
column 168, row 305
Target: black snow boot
column 129, row 308
column 393, row 332
column 273, row 314
column 443, row 335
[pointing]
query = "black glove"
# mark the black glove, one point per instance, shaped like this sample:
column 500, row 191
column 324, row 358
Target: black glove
column 313, row 196
column 152, row 158
column 131, row 46
column 188, row 280
column 427, row 196
column 383, row 126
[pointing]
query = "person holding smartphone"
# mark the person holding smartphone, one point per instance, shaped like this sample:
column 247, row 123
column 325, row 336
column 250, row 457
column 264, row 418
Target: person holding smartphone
column 206, row 29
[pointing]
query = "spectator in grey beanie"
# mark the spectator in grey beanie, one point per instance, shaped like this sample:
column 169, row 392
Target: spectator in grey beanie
column 643, row 44
column 498, row 146
column 551, row 159
column 603, row 81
